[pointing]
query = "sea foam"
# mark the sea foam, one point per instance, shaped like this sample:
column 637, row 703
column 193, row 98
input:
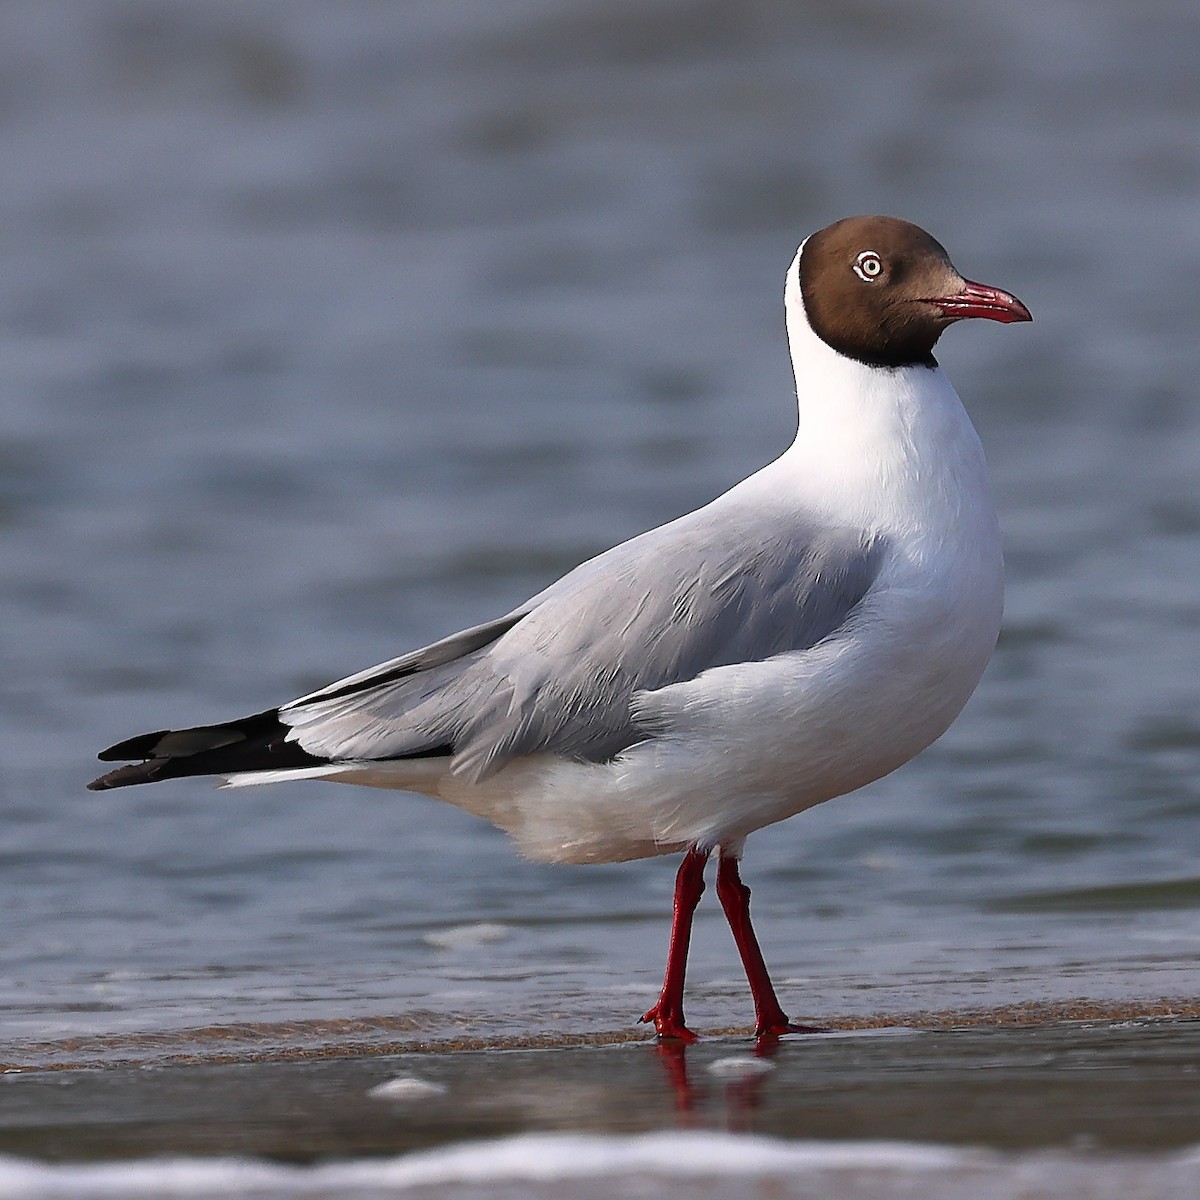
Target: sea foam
column 652, row 1166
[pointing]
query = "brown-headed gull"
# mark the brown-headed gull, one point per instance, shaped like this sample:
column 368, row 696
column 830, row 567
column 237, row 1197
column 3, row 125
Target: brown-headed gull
column 804, row 634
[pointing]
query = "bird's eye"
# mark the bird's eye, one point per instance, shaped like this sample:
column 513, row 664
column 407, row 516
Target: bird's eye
column 868, row 266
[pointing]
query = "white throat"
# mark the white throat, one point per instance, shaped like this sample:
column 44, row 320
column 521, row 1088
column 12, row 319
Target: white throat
column 879, row 446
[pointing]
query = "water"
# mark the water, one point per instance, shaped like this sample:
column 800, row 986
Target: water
column 326, row 331
column 1092, row 1109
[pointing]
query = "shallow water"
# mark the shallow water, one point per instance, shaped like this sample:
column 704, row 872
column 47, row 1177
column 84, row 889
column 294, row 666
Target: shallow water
column 1104, row 1085
column 326, row 335
column 1093, row 1108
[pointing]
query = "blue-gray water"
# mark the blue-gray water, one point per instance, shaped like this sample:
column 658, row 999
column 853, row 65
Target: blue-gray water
column 329, row 329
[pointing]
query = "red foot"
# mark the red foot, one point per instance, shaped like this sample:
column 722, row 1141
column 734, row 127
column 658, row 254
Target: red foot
column 668, row 1024
column 779, row 1028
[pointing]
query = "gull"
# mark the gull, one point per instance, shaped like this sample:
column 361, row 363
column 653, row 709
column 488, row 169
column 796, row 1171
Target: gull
column 802, row 635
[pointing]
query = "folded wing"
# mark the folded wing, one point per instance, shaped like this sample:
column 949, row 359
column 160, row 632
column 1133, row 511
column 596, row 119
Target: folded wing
column 557, row 675
column 657, row 610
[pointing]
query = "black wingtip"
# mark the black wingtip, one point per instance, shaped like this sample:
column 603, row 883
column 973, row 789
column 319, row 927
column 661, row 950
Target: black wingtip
column 126, row 776
column 255, row 743
column 141, row 746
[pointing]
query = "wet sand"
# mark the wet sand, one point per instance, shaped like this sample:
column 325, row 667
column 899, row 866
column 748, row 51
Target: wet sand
column 249, row 1042
column 1027, row 1077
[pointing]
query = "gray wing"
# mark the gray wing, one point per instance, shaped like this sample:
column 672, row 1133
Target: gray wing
column 714, row 588
column 450, row 649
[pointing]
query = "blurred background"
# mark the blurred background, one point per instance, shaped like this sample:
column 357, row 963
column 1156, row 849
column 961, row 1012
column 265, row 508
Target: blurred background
column 327, row 329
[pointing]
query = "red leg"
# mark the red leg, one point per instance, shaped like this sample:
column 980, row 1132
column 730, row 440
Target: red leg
column 769, row 1018
column 667, row 1014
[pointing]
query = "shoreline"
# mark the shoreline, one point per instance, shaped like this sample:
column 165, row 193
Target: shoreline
column 353, row 1038
column 1027, row 1077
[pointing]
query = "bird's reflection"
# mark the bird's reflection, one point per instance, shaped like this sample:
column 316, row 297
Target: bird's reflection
column 741, row 1095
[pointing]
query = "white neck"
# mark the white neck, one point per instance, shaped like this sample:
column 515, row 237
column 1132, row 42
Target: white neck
column 875, row 444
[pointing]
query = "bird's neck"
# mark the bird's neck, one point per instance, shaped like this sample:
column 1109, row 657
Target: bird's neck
column 883, row 444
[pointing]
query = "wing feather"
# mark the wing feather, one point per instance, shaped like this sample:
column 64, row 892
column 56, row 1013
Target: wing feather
column 559, row 674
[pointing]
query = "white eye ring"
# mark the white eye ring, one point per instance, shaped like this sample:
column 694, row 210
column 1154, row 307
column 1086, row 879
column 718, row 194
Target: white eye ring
column 868, row 266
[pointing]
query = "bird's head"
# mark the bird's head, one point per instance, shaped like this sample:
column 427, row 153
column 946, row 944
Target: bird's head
column 881, row 291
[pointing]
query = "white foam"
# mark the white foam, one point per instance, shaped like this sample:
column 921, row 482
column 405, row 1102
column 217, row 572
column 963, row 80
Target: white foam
column 406, row 1087
column 740, row 1066
column 658, row 1162
column 466, row 937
